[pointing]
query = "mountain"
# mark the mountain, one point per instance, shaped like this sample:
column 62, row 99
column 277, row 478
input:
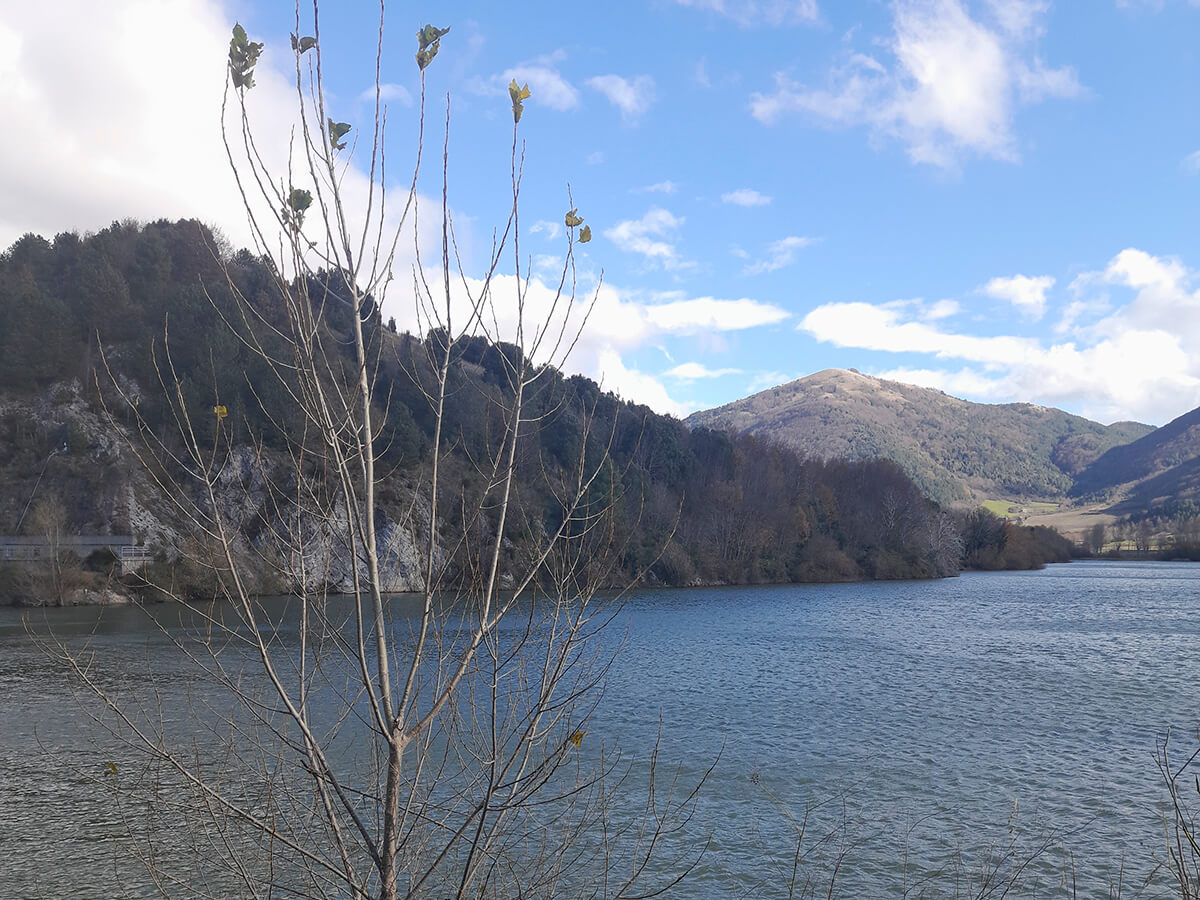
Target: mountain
column 1154, row 473
column 955, row 450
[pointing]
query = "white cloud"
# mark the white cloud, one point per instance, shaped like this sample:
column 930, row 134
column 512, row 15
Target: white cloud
column 637, row 386
column 662, row 187
column 632, row 98
column 745, row 197
column 963, row 383
column 620, row 322
column 1025, row 293
column 1075, row 310
column 653, row 236
column 1141, row 361
column 942, row 309
column 950, row 88
column 780, row 253
column 547, row 86
column 124, row 113
column 764, row 380
column 546, row 227
column 388, row 93
column 1036, row 82
column 1191, row 163
column 120, row 114
column 691, row 371
column 761, row 12
column 880, row 327
column 709, row 314
column 1018, row 18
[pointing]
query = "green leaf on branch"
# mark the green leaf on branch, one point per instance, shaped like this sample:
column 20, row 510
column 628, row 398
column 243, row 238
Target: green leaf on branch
column 585, row 234
column 304, row 44
column 428, row 42
column 243, row 55
column 337, row 131
column 573, row 220
column 518, row 94
column 430, row 35
column 299, row 200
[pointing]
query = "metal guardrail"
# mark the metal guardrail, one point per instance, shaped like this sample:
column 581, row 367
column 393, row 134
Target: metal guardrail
column 26, row 548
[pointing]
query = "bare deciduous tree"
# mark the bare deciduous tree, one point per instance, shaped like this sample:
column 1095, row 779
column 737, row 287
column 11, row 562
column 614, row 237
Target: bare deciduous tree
column 371, row 745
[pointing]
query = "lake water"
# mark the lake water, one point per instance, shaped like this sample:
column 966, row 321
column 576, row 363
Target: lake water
column 924, row 728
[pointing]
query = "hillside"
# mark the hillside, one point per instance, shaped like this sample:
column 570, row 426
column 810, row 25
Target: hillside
column 955, row 450
column 109, row 341
column 1155, row 472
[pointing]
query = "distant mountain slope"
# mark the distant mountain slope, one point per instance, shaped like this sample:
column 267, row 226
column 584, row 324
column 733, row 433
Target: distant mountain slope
column 1152, row 469
column 954, row 449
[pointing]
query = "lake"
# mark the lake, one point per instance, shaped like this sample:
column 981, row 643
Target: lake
column 927, row 730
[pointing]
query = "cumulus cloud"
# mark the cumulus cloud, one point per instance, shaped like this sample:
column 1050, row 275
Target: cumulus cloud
column 632, row 98
column 710, row 314
column 1025, row 293
column 1141, row 360
column 653, row 236
column 948, row 84
column 780, row 253
column 546, row 84
column 761, row 12
column 745, row 197
column 102, row 139
column 108, row 141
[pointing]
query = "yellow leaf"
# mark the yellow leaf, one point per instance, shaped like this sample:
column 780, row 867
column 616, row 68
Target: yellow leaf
column 518, row 94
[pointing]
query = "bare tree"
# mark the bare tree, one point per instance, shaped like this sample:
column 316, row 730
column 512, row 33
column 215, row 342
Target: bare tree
column 1183, row 839
column 48, row 520
column 370, row 745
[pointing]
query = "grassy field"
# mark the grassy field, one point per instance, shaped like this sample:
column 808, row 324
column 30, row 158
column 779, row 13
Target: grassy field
column 1021, row 508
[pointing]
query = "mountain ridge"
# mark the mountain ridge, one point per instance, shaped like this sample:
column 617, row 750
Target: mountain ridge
column 958, row 451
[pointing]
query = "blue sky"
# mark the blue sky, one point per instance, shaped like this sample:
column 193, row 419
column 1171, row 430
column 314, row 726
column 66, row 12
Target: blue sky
column 997, row 198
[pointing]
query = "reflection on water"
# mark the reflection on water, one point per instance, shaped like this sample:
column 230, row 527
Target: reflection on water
column 918, row 725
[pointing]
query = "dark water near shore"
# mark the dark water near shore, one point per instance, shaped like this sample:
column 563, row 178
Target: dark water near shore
column 919, row 724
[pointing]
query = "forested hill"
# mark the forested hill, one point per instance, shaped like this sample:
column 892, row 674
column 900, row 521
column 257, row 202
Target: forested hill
column 954, row 449
column 1156, row 474
column 97, row 332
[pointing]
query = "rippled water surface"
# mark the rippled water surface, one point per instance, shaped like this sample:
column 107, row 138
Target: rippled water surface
column 922, row 728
